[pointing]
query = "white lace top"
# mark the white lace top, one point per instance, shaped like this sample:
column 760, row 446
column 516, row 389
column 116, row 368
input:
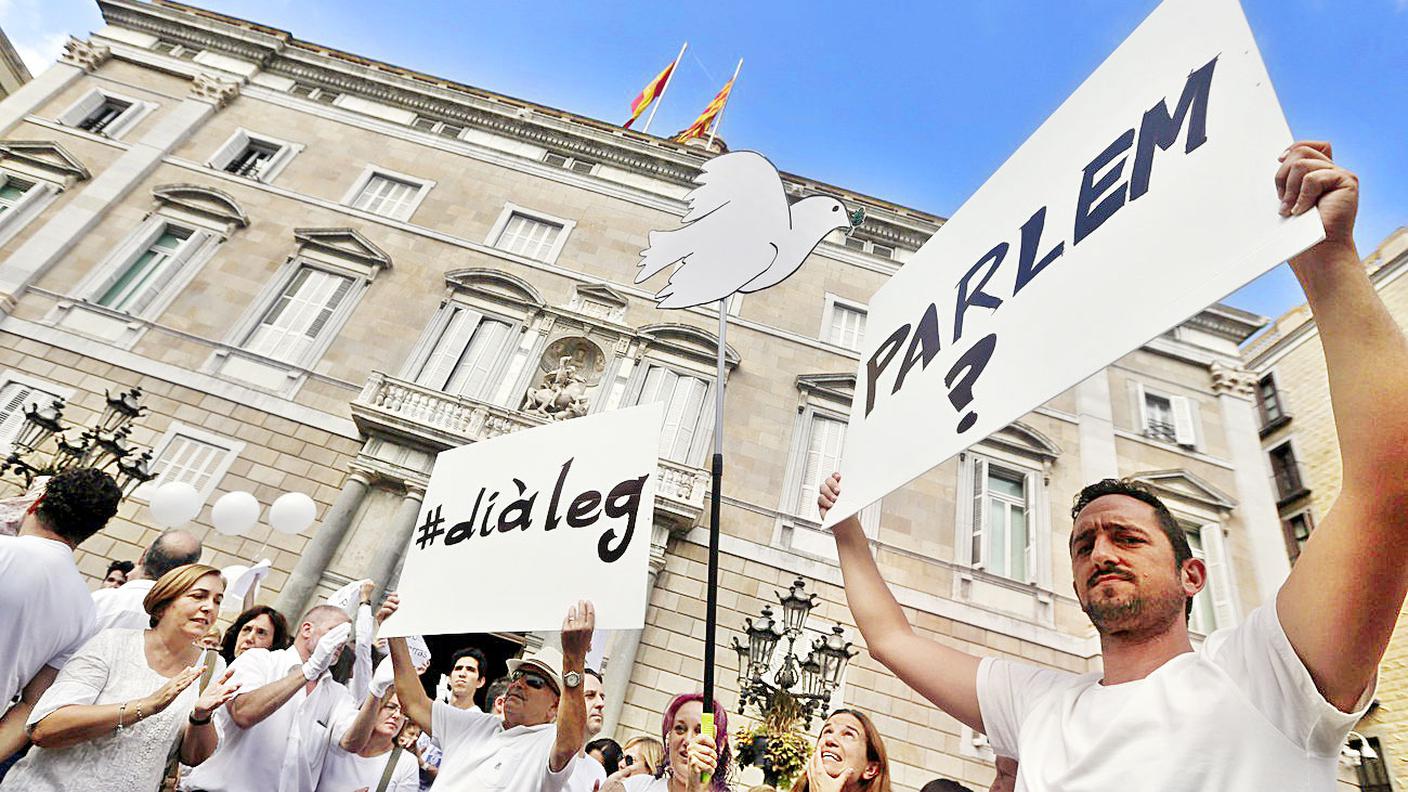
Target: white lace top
column 110, row 669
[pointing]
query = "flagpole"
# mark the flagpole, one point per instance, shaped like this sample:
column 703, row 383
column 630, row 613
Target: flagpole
column 727, row 99
column 655, row 105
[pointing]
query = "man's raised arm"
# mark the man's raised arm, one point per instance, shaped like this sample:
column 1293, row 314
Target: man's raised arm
column 572, row 704
column 942, row 674
column 1340, row 603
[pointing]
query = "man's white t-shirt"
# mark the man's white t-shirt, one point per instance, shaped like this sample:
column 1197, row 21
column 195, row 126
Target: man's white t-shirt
column 122, row 606
column 1242, row 713
column 46, row 612
column 645, row 783
column 482, row 756
column 587, row 775
column 283, row 752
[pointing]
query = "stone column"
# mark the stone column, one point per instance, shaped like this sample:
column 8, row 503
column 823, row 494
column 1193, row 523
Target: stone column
column 79, row 58
column 1256, row 503
column 621, row 658
column 385, row 566
column 64, row 229
column 293, row 598
column 1097, row 429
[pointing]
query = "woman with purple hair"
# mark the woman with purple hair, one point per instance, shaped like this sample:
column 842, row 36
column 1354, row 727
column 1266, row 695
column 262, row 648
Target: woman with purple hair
column 688, row 752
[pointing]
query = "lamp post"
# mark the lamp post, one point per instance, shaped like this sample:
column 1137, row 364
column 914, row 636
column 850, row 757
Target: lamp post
column 103, row 445
column 804, row 683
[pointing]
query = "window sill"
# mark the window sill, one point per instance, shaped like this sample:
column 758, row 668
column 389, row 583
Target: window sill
column 1291, row 497
column 1271, row 426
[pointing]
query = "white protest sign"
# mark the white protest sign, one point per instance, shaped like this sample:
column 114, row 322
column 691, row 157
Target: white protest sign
column 1145, row 197
column 516, row 529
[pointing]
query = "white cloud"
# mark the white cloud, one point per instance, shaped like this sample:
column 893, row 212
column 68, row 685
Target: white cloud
column 39, row 54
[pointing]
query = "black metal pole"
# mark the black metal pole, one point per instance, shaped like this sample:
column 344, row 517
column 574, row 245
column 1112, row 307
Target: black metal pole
column 711, row 589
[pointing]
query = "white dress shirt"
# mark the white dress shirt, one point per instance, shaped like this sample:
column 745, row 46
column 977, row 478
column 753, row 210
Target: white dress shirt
column 122, row 607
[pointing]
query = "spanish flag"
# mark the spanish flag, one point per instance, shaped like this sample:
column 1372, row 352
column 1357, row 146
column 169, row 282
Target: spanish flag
column 652, row 91
column 700, row 127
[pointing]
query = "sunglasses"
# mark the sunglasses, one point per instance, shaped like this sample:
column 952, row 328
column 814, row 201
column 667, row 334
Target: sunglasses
column 531, row 679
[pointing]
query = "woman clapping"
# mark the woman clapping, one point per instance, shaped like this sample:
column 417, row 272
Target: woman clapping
column 129, row 703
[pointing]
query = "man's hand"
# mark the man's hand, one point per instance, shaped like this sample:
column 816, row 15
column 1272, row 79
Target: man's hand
column 577, row 630
column 1309, row 177
column 325, row 653
column 388, row 607
column 364, row 593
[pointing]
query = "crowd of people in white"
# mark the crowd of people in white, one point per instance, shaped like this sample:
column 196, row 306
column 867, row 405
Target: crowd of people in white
column 131, row 688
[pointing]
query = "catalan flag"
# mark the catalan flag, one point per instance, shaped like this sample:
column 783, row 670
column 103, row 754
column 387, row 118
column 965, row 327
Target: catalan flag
column 700, row 127
column 652, row 92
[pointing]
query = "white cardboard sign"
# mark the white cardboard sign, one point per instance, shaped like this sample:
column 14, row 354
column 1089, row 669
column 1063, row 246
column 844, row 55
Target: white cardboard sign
column 1145, row 197
column 516, row 529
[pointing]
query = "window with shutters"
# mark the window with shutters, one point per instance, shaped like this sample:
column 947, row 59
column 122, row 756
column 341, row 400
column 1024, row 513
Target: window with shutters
column 689, row 412
column 1286, row 473
column 104, row 113
column 290, row 329
column 1166, row 418
column 1204, row 616
column 569, row 163
column 842, row 323
column 442, row 128
column 866, row 246
column 192, row 456
column 382, row 192
column 529, row 234
column 466, row 355
column 816, row 453
column 176, row 50
column 253, row 156
column 1297, row 528
column 17, row 394
column 140, row 279
column 13, row 190
column 1270, row 406
column 1001, row 538
column 320, row 95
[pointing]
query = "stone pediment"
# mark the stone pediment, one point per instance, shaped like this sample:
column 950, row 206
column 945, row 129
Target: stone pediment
column 204, row 201
column 497, row 284
column 45, row 155
column 837, row 387
column 1020, row 438
column 690, row 341
column 1183, row 485
column 348, row 243
column 600, row 301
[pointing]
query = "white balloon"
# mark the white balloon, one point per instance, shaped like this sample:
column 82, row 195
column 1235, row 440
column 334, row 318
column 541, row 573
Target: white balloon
column 174, row 504
column 235, row 513
column 292, row 512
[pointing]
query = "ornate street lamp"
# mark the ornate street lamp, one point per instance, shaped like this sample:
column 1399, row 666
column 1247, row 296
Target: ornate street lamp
column 806, row 684
column 104, row 445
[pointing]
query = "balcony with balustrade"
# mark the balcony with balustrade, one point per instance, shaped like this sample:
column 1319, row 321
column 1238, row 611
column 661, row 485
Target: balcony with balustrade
column 430, row 419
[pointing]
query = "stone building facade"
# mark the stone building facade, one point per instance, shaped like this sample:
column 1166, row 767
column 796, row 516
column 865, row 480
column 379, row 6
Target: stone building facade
column 1297, row 429
column 323, row 269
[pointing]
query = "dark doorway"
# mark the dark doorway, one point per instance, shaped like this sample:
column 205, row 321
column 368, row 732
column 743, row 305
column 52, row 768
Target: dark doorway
column 498, row 649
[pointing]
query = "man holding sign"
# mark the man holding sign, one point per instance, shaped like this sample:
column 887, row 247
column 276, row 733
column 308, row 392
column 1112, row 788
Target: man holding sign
column 1262, row 706
column 534, row 748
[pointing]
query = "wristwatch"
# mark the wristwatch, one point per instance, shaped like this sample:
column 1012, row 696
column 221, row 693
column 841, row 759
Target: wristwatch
column 572, row 679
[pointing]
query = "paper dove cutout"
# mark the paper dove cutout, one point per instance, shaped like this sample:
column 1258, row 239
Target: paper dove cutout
column 739, row 234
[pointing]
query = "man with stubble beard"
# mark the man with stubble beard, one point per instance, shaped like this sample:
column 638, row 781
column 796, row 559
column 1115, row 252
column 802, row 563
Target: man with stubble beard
column 1264, row 705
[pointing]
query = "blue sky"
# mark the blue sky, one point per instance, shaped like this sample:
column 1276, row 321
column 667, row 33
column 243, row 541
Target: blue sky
column 914, row 102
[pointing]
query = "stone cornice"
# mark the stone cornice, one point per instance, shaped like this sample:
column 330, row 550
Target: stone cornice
column 85, row 55
column 1232, row 381
column 278, row 52
column 214, row 90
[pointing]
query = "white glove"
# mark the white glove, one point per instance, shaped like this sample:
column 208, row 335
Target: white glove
column 326, row 651
column 383, row 678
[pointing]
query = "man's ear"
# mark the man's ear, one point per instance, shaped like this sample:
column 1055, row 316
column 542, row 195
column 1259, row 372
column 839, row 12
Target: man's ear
column 1195, row 576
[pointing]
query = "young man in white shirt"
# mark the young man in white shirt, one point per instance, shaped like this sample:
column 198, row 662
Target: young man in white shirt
column 46, row 613
column 466, row 677
column 590, row 774
column 534, row 748
column 275, row 736
column 122, row 606
column 1262, row 706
